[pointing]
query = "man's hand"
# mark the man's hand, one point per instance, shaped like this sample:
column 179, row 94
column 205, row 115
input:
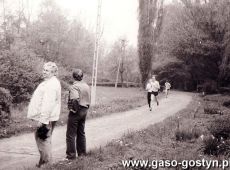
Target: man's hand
column 70, row 104
column 73, row 105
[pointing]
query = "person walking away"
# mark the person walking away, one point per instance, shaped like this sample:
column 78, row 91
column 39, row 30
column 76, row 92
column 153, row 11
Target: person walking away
column 44, row 107
column 149, row 93
column 78, row 104
column 155, row 88
column 167, row 88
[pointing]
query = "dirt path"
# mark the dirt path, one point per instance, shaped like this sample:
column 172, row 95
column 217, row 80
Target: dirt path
column 21, row 152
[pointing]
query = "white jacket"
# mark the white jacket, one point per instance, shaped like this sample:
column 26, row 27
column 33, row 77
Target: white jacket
column 45, row 104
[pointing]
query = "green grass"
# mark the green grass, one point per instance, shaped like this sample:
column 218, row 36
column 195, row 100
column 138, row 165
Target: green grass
column 109, row 100
column 158, row 142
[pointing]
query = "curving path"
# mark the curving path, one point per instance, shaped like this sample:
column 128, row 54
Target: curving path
column 20, row 152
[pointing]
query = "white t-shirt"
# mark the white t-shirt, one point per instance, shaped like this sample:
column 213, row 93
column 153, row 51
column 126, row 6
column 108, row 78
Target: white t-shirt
column 167, row 86
column 149, row 87
column 155, row 86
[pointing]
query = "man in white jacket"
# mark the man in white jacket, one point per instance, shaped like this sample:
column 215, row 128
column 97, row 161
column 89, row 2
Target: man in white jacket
column 44, row 107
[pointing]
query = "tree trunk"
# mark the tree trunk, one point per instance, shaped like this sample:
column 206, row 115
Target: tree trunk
column 150, row 22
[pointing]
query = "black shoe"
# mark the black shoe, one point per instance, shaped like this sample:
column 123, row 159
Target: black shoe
column 40, row 165
column 150, row 108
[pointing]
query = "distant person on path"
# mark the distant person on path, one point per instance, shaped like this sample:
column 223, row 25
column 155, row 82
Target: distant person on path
column 155, row 88
column 167, row 88
column 149, row 93
column 78, row 104
column 44, row 107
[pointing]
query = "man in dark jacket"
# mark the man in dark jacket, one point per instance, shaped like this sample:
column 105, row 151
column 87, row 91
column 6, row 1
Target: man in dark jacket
column 78, row 104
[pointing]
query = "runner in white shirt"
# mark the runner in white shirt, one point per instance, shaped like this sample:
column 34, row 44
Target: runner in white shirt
column 155, row 88
column 149, row 92
column 167, row 88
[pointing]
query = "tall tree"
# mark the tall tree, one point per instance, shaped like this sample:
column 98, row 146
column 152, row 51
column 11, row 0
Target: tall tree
column 198, row 37
column 128, row 70
column 150, row 22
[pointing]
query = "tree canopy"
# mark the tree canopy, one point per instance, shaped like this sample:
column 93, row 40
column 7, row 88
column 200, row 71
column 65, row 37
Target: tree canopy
column 193, row 47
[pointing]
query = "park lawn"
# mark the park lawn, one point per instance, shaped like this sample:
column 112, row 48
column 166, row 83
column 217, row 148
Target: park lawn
column 109, row 100
column 176, row 138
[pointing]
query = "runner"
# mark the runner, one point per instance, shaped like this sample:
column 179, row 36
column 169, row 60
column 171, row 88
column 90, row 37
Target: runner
column 155, row 88
column 167, row 88
column 149, row 92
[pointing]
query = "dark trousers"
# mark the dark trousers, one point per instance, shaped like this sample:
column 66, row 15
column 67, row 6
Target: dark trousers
column 75, row 134
column 149, row 98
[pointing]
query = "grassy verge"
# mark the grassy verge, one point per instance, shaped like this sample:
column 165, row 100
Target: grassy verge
column 109, row 100
column 180, row 137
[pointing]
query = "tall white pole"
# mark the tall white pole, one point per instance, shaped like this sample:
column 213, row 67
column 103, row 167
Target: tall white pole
column 95, row 55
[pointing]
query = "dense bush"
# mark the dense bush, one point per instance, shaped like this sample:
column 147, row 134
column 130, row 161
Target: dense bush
column 5, row 102
column 187, row 134
column 20, row 79
column 194, row 45
column 224, row 90
column 210, row 146
column 227, row 104
column 214, row 146
column 210, row 87
column 220, row 128
column 212, row 110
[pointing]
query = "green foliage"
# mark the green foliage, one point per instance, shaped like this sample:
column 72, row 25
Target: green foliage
column 210, row 146
column 187, row 134
column 5, row 103
column 210, row 87
column 196, row 38
column 129, row 70
column 220, row 128
column 149, row 14
column 226, row 103
column 20, row 79
column 58, row 39
column 213, row 146
column 208, row 110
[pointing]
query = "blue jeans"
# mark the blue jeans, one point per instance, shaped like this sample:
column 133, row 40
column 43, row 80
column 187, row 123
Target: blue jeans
column 75, row 134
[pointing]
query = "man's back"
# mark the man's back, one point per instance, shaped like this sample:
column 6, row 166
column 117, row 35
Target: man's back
column 80, row 91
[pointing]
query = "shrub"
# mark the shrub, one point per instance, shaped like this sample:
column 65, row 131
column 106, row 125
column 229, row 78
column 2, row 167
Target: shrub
column 218, row 143
column 227, row 104
column 208, row 110
column 224, row 148
column 18, row 77
column 220, row 128
column 224, row 90
column 187, row 134
column 210, row 146
column 5, row 102
column 210, row 87
column 217, row 147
